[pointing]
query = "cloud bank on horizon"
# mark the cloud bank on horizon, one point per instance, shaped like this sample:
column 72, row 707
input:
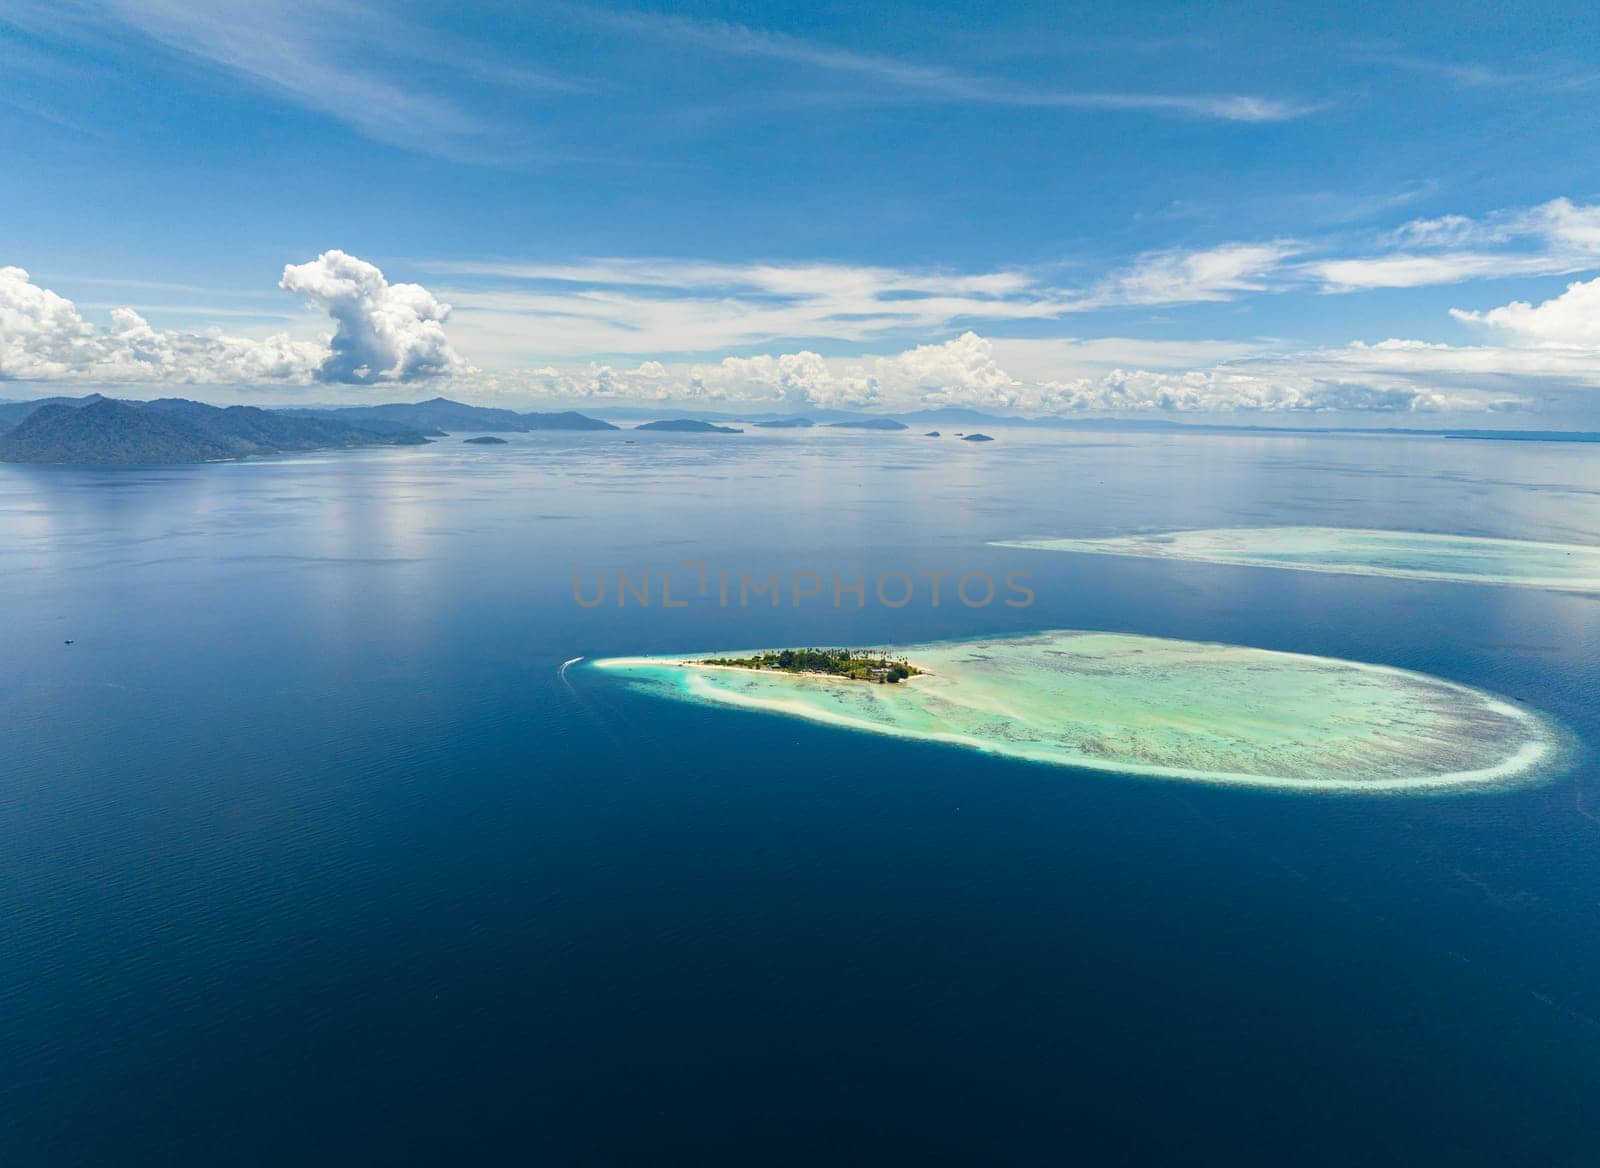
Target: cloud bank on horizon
column 1051, row 210
column 392, row 334
column 384, row 333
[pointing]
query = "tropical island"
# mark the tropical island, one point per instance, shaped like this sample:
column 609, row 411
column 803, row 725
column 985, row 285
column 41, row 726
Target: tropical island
column 688, row 426
column 94, row 430
column 868, row 424
column 1120, row 703
column 441, row 414
column 872, row 665
column 105, row 432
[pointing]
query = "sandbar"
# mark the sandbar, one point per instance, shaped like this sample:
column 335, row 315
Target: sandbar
column 1359, row 551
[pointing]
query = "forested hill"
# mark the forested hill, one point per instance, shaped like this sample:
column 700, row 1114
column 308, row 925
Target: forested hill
column 115, row 433
column 442, row 414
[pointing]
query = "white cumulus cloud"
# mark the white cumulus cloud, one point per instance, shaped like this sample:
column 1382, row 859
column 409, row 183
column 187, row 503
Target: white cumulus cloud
column 386, row 332
column 1571, row 319
column 43, row 336
column 383, row 332
column 673, row 320
column 1389, row 377
column 961, row 371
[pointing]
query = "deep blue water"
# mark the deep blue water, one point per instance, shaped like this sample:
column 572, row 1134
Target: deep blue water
column 308, row 853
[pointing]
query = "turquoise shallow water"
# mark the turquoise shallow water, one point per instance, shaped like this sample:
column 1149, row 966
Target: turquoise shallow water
column 312, row 853
column 1158, row 708
column 1573, row 567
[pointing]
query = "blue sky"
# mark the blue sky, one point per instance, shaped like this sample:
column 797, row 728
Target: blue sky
column 1206, row 209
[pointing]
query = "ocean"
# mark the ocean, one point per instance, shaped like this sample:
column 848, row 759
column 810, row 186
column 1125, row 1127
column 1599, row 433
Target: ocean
column 312, row 852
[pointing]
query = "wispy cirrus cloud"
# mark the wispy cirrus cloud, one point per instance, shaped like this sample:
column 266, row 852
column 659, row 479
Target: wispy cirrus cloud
column 632, row 305
column 1464, row 74
column 360, row 63
column 1193, row 276
column 940, row 83
column 405, row 81
column 655, row 306
column 1552, row 238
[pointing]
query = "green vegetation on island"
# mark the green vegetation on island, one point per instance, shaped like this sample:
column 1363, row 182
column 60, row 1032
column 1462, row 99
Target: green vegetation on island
column 101, row 431
column 688, row 426
column 853, row 664
column 105, row 432
column 440, row 414
column 1145, row 706
column 868, row 424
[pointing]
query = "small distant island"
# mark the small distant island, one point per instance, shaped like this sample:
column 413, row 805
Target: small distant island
column 869, row 424
column 485, row 440
column 564, row 420
column 786, row 424
column 853, row 664
column 440, row 414
column 688, row 426
column 976, row 438
column 932, row 434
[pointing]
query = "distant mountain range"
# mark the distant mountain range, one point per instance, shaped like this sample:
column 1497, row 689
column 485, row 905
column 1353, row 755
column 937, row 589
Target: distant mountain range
column 962, row 415
column 94, row 430
column 116, row 433
column 769, row 420
column 101, row 431
column 13, row 412
column 868, row 424
column 441, row 415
